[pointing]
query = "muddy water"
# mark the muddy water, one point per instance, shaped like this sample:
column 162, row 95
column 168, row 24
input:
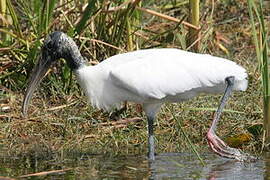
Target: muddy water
column 166, row 166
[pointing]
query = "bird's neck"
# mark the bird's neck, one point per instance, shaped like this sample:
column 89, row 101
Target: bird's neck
column 75, row 60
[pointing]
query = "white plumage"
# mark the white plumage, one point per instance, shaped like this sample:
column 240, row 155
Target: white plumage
column 153, row 76
column 148, row 77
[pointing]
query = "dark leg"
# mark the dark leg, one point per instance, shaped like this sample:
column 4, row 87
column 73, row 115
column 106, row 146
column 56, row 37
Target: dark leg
column 227, row 93
column 215, row 143
column 151, row 143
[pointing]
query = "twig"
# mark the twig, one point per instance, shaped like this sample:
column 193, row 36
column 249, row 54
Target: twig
column 170, row 18
column 193, row 44
column 45, row 173
column 6, row 178
column 60, row 107
column 102, row 42
column 154, row 13
column 146, row 38
column 5, row 49
column 121, row 122
column 107, row 44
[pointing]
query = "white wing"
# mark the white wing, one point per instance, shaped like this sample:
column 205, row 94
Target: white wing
column 157, row 73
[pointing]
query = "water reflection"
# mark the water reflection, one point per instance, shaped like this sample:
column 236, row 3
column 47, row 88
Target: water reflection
column 186, row 166
column 166, row 166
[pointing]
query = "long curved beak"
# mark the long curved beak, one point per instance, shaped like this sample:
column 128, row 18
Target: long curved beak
column 38, row 73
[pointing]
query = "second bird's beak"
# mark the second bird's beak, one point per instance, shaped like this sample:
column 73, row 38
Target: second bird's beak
column 37, row 75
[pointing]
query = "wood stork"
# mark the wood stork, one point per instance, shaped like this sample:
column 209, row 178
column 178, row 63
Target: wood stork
column 148, row 77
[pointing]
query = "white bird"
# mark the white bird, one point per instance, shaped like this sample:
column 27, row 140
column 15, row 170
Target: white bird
column 148, row 77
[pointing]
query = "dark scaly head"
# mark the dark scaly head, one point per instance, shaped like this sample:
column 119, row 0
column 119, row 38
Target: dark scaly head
column 57, row 45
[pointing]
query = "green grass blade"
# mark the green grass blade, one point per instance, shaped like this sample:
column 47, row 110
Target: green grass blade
column 186, row 136
column 254, row 32
column 15, row 36
column 50, row 7
column 15, row 20
column 89, row 11
column 262, row 56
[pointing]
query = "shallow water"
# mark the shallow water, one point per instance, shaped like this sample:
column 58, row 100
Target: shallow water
column 166, row 166
column 186, row 166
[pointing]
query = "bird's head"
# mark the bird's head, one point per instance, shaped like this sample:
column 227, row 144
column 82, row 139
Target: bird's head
column 57, row 45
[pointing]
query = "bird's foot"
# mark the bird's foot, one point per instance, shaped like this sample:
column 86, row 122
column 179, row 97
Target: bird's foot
column 222, row 149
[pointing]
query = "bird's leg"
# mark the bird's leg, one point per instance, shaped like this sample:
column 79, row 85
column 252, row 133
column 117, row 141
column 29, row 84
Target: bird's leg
column 151, row 111
column 227, row 93
column 215, row 143
column 151, row 143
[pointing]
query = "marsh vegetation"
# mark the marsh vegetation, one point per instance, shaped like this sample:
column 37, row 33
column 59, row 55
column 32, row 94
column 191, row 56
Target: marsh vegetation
column 61, row 123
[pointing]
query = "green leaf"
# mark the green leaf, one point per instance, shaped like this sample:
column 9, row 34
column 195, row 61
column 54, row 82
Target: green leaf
column 88, row 12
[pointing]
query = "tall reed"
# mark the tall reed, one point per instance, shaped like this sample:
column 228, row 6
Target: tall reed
column 260, row 38
column 194, row 19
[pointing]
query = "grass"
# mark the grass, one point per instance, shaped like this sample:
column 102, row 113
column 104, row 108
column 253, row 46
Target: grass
column 262, row 49
column 60, row 120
